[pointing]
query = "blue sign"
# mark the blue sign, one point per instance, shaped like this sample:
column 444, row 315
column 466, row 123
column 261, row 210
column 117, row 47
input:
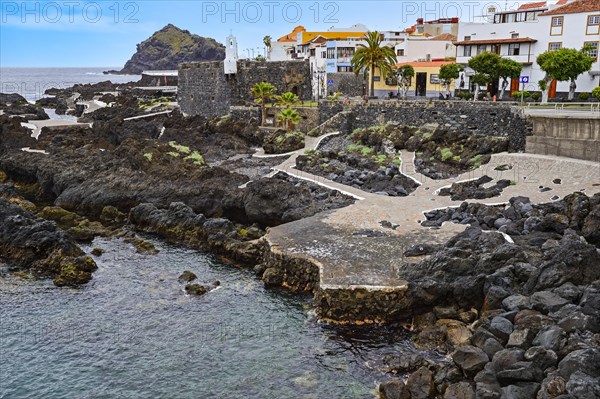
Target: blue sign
column 330, row 82
column 524, row 79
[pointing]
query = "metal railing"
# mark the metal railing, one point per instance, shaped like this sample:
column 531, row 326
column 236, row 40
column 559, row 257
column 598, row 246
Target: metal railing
column 593, row 107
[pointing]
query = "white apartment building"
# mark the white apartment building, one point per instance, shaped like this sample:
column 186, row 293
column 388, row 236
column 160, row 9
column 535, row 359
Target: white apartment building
column 529, row 31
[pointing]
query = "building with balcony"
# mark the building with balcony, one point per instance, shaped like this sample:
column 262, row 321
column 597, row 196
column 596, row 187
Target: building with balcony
column 529, row 31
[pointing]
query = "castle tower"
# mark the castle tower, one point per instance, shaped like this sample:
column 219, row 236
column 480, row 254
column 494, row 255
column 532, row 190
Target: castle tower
column 231, row 55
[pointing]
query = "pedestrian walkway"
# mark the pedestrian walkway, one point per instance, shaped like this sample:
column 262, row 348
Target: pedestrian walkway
column 353, row 248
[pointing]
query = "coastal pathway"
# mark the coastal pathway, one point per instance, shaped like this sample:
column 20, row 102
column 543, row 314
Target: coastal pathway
column 363, row 245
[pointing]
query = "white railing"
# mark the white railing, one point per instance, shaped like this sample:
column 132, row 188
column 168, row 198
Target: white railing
column 594, row 107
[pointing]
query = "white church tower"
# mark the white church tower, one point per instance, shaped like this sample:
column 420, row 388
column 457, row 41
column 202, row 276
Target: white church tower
column 231, row 55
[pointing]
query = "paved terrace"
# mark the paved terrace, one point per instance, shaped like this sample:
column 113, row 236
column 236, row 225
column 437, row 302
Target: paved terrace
column 353, row 249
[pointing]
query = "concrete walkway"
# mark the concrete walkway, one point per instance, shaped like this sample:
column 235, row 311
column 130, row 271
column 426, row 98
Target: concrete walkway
column 36, row 126
column 147, row 115
column 354, row 250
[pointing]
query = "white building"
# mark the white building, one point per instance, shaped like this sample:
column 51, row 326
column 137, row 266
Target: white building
column 529, row 31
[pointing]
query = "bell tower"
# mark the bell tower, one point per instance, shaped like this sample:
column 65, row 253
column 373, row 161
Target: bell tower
column 231, row 55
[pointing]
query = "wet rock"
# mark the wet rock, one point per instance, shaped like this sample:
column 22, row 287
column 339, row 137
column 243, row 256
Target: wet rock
column 272, row 278
column 393, row 389
column 97, row 251
column 457, row 333
column 470, row 359
column 186, row 277
column 195, row 289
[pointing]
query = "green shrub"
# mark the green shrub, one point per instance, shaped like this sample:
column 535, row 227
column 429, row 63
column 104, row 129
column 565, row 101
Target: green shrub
column 181, row 148
column 584, row 96
column 536, row 95
column 596, row 93
column 517, row 94
column 197, row 158
column 446, row 154
column 465, row 95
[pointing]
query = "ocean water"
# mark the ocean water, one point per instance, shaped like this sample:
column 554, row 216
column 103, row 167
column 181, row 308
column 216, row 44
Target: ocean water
column 31, row 83
column 132, row 332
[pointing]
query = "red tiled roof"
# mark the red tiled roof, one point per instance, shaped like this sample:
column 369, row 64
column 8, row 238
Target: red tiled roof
column 529, row 6
column 576, row 6
column 497, row 41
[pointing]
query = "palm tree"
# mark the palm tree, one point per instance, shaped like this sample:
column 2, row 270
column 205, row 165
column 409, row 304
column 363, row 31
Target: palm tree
column 262, row 93
column 289, row 117
column 373, row 55
column 267, row 43
column 287, row 100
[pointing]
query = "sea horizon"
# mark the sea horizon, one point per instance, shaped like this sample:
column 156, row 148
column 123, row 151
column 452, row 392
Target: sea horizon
column 32, row 82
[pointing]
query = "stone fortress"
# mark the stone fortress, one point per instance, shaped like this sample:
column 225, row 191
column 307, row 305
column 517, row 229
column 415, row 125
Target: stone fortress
column 211, row 88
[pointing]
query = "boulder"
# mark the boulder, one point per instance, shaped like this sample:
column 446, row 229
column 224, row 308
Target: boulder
column 460, row 390
column 420, row 384
column 470, row 359
column 393, row 389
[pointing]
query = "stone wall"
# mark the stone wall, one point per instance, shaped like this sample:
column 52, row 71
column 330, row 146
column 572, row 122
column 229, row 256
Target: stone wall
column 293, row 76
column 347, row 83
column 493, row 119
column 566, row 136
column 204, row 89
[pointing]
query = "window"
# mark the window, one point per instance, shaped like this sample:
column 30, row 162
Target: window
column 514, row 49
column 331, row 53
column 593, row 25
column 467, row 51
column 496, row 49
column 345, row 69
column 481, row 48
column 593, row 52
column 554, row 46
column 324, row 54
column 400, row 52
column 520, row 17
column 532, row 16
column 557, row 21
column 467, row 38
column 345, row 52
column 514, row 36
column 391, row 81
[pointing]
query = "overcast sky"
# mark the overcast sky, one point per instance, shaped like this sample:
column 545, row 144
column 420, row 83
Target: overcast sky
column 105, row 33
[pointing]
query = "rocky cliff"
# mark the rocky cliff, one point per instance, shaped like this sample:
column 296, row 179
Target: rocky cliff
column 169, row 47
